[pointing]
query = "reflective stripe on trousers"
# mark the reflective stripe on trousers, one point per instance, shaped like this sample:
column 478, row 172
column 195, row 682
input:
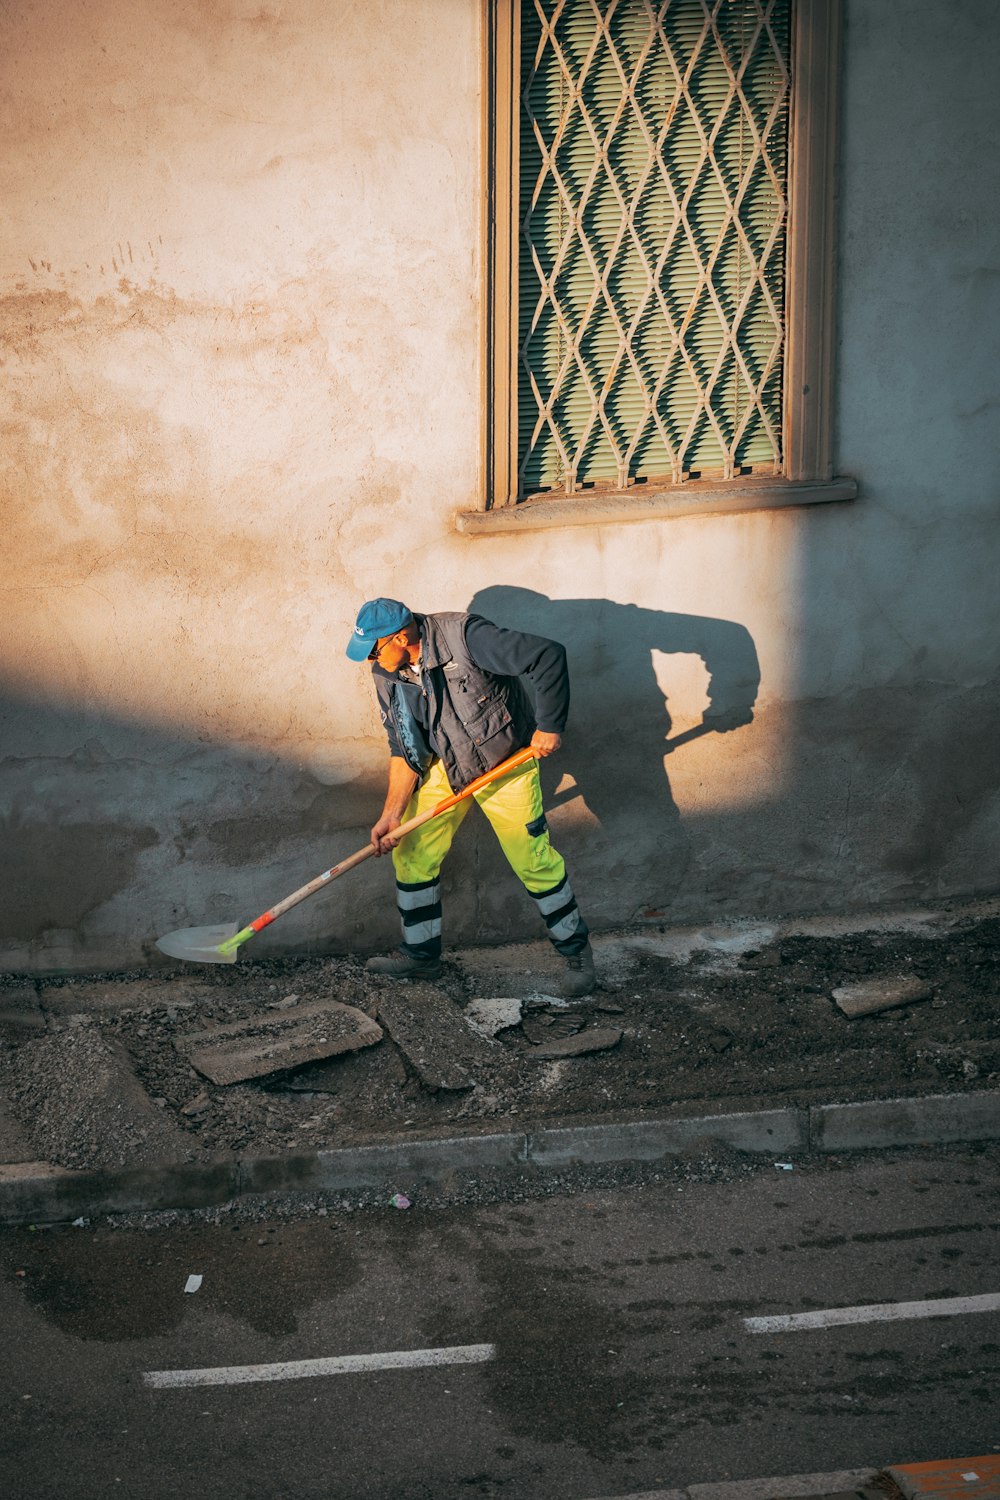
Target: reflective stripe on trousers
column 513, row 805
column 419, row 907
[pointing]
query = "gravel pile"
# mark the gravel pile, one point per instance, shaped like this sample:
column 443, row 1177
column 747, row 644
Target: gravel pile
column 82, row 1106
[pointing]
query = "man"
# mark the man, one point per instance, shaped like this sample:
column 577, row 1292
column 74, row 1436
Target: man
column 453, row 708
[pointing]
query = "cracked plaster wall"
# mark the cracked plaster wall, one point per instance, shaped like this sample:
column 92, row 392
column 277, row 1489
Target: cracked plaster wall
column 239, row 333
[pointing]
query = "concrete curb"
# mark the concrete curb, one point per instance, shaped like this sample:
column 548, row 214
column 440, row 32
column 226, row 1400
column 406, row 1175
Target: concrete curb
column 36, row 1192
column 939, row 1118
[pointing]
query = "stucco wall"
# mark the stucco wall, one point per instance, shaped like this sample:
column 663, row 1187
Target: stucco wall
column 239, row 324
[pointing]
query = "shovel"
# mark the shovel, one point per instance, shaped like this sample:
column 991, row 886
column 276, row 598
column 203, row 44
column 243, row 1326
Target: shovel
column 219, row 944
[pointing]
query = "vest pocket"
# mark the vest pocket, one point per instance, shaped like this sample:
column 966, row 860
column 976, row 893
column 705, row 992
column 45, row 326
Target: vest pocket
column 494, row 719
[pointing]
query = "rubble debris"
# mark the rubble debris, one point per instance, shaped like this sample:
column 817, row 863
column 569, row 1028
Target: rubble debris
column 539, row 1001
column 197, row 1105
column 269, row 1043
column 14, row 1145
column 490, row 1016
column 430, row 1031
column 598, row 1039
column 787, row 1035
column 381, row 1068
column 81, row 1105
column 114, row 995
column 21, row 1016
column 870, row 995
column 761, row 958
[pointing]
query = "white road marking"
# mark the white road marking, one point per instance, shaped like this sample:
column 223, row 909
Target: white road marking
column 875, row 1312
column 341, row 1364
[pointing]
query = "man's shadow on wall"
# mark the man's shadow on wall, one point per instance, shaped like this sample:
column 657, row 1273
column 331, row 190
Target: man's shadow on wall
column 618, row 742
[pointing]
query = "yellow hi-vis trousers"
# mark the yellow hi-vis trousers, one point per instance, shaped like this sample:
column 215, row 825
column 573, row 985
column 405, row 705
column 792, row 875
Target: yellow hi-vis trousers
column 513, row 804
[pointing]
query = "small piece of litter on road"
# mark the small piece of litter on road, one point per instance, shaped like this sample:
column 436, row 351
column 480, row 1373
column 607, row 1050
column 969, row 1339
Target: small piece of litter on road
column 784, row 1166
column 970, row 1477
column 400, row 1200
column 192, row 1284
column 80, row 1223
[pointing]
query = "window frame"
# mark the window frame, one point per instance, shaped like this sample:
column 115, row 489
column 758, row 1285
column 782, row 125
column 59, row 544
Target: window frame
column 810, row 330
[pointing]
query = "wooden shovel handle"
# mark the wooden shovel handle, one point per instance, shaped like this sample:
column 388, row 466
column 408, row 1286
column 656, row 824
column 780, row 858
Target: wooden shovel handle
column 521, row 758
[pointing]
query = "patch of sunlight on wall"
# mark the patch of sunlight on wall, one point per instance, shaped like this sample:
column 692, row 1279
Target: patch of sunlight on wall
column 710, row 771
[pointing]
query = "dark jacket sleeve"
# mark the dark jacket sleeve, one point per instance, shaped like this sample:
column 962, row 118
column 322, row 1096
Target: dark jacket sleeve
column 383, row 688
column 511, row 653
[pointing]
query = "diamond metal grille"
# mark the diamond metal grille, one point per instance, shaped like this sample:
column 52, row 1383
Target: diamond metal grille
column 653, row 210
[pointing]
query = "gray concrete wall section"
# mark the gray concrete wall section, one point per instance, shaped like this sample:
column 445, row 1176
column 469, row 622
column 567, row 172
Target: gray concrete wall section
column 240, row 322
column 899, row 653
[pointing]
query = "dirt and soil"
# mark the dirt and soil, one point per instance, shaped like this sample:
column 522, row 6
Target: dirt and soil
column 741, row 1016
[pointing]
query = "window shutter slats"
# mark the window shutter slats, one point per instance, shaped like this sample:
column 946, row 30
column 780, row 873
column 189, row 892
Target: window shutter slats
column 653, row 149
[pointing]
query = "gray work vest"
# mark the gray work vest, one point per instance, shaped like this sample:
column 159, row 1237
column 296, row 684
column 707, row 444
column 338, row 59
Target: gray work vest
column 475, row 719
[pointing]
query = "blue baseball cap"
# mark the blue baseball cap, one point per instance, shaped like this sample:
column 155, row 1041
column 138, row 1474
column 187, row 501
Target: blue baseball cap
column 376, row 619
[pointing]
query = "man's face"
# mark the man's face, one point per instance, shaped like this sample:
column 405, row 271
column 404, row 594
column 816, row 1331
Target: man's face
column 392, row 652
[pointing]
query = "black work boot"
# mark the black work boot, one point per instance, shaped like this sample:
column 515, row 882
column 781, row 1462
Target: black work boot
column 579, row 978
column 400, row 965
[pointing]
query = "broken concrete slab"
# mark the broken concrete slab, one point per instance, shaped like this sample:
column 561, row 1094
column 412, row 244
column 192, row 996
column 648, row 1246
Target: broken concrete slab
column 21, row 1015
column 80, row 1104
column 430, row 1031
column 273, row 1041
column 870, row 995
column 598, row 1039
column 490, row 1016
column 547, row 1028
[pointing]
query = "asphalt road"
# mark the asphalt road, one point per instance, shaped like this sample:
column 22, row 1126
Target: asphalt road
column 622, row 1362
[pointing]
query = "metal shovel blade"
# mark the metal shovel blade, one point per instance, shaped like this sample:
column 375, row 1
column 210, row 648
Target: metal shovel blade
column 199, row 945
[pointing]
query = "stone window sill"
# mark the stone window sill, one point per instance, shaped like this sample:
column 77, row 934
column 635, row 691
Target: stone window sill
column 696, row 498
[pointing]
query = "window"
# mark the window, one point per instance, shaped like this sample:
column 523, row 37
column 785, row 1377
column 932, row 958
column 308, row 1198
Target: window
column 659, row 310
